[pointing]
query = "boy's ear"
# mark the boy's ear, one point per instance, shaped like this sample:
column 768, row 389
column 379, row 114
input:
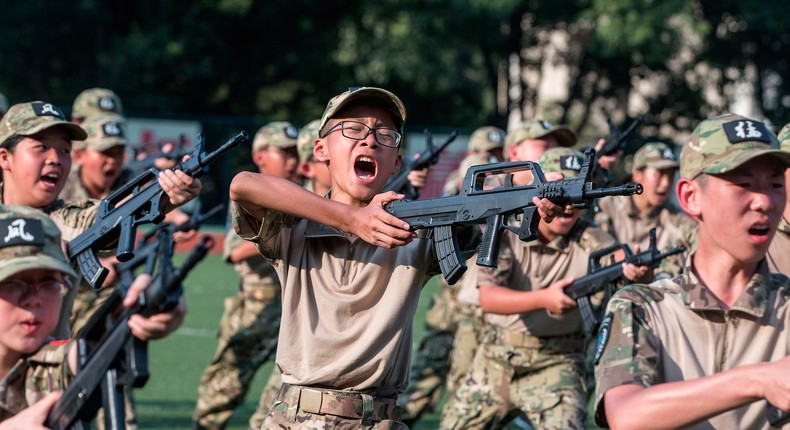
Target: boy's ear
column 688, row 193
column 305, row 169
column 398, row 162
column 5, row 158
column 320, row 150
column 257, row 157
column 77, row 155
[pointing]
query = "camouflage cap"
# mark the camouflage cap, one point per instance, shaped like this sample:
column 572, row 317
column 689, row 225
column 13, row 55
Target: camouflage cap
column 3, row 104
column 104, row 132
column 306, row 140
column 279, row 134
column 657, row 155
column 27, row 119
column 784, row 137
column 566, row 160
column 29, row 239
column 96, row 101
column 538, row 128
column 486, row 139
column 721, row 144
column 373, row 95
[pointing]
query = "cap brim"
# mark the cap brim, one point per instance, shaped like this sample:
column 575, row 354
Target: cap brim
column 107, row 144
column 738, row 158
column 661, row 165
column 13, row 266
column 74, row 131
column 376, row 96
column 564, row 135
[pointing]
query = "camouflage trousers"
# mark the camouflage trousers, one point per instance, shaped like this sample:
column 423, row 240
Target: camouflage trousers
column 468, row 337
column 268, row 397
column 540, row 379
column 305, row 408
column 431, row 361
column 247, row 339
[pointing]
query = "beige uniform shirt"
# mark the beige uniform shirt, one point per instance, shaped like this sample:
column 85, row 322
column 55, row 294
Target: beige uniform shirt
column 347, row 307
column 32, row 378
column 622, row 220
column 779, row 252
column 531, row 266
column 676, row 330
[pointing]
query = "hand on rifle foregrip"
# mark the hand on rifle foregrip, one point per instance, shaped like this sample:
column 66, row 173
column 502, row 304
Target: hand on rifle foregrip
column 155, row 326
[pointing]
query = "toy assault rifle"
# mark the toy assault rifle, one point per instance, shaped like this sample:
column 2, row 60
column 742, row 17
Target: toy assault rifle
column 427, row 158
column 615, row 142
column 475, row 205
column 148, row 244
column 599, row 278
column 136, row 203
column 147, row 162
column 109, row 357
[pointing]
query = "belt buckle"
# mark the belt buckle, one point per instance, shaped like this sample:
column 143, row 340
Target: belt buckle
column 310, row 400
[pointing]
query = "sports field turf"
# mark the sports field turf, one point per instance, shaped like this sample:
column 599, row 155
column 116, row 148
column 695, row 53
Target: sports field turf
column 176, row 363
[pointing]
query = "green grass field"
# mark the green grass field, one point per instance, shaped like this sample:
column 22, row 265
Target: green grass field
column 176, row 363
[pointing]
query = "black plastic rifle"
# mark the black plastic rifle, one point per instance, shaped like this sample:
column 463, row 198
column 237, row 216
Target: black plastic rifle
column 147, row 162
column 147, row 245
column 604, row 277
column 615, row 142
column 617, row 139
column 109, row 357
column 196, row 219
column 476, row 205
column 137, row 202
column 427, row 158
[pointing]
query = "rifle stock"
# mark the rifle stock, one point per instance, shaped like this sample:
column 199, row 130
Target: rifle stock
column 476, row 205
column 600, row 278
column 136, row 203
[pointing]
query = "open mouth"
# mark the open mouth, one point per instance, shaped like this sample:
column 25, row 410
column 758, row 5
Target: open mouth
column 759, row 231
column 365, row 167
column 50, row 179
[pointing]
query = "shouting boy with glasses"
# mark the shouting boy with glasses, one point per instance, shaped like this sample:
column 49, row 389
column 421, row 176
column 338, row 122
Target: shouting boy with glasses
column 351, row 273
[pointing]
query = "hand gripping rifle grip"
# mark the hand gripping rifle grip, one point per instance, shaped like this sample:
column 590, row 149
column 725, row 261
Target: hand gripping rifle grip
column 89, row 266
column 450, row 260
column 492, row 239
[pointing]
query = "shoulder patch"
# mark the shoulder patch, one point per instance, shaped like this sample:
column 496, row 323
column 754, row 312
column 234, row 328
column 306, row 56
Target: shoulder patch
column 603, row 336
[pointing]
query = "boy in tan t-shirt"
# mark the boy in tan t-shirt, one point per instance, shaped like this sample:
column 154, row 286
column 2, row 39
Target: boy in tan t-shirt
column 351, row 273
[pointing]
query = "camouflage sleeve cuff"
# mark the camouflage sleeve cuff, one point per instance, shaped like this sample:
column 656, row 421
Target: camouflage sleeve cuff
column 262, row 232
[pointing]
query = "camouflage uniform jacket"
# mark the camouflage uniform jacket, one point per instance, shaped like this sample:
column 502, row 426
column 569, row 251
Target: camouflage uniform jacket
column 32, row 378
column 534, row 265
column 75, row 191
column 620, row 217
column 676, row 330
column 779, row 252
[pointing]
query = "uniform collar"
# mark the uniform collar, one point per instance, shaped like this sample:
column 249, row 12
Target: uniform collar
column 12, row 388
column 753, row 301
column 784, row 226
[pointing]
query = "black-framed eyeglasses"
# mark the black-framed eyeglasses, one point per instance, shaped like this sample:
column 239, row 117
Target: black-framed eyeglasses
column 358, row 131
column 15, row 290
